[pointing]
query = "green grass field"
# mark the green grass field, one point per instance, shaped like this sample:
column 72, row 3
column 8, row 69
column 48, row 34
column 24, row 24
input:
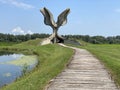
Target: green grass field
column 109, row 56
column 52, row 60
column 7, row 43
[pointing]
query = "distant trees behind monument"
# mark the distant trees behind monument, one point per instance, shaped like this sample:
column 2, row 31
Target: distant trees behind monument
column 86, row 38
column 20, row 38
column 96, row 39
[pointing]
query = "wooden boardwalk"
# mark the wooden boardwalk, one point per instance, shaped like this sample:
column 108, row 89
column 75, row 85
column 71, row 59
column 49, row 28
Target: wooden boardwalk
column 84, row 72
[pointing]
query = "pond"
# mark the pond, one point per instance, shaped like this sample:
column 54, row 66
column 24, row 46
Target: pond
column 13, row 65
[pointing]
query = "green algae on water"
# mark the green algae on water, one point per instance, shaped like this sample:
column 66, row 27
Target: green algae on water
column 29, row 60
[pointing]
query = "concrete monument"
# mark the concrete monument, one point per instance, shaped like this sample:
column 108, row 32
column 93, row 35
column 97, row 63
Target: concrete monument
column 48, row 20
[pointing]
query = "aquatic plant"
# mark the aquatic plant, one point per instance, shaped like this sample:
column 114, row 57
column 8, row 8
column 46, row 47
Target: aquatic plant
column 25, row 69
column 29, row 60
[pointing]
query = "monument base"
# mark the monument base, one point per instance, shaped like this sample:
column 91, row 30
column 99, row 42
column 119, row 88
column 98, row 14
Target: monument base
column 52, row 39
column 46, row 41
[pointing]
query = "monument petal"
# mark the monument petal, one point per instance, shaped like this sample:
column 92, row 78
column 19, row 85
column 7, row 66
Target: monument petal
column 48, row 17
column 62, row 18
column 49, row 20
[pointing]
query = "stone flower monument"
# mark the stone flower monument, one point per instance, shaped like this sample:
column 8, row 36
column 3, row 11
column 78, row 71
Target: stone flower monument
column 48, row 20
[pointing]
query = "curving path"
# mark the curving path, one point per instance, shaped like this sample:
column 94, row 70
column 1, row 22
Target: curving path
column 84, row 72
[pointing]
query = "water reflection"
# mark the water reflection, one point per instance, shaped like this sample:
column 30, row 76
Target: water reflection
column 8, row 73
column 9, row 57
column 5, row 53
column 11, row 66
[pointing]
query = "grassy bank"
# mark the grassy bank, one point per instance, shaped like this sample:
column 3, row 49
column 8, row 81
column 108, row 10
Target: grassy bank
column 110, row 56
column 7, row 43
column 52, row 60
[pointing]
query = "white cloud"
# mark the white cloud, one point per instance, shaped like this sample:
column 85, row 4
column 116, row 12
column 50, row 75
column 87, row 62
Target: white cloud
column 17, row 4
column 117, row 10
column 29, row 32
column 19, row 30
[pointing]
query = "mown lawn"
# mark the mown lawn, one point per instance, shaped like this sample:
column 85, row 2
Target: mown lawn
column 109, row 56
column 52, row 60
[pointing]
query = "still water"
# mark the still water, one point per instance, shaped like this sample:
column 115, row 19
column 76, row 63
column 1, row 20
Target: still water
column 12, row 65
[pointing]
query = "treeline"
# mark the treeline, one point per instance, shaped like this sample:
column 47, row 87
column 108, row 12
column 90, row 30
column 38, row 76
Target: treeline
column 20, row 38
column 95, row 39
column 86, row 38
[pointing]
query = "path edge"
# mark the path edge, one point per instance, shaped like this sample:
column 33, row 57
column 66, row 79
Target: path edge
column 70, row 59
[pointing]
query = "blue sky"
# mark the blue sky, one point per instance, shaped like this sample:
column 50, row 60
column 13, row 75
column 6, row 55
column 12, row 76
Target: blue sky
column 87, row 17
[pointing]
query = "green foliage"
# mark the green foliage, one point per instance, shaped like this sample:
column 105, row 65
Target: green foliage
column 25, row 69
column 20, row 38
column 109, row 56
column 52, row 59
column 91, row 39
column 95, row 39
